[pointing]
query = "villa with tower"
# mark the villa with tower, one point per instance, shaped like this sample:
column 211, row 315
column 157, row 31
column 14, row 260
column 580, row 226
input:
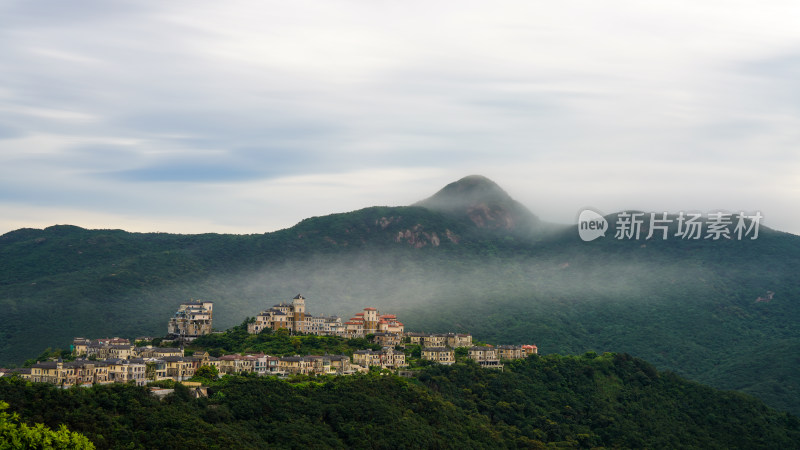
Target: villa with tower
column 294, row 318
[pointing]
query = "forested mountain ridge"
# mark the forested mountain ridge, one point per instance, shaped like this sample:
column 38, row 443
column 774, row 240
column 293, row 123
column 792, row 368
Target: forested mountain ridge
column 688, row 306
column 588, row 401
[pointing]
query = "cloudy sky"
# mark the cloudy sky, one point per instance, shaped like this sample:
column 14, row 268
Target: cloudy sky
column 246, row 117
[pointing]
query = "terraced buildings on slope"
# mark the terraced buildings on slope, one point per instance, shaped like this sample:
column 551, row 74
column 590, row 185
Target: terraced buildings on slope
column 112, row 360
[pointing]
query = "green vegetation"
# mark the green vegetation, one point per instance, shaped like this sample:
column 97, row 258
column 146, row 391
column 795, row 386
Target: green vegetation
column 206, row 374
column 611, row 400
column 50, row 354
column 15, row 435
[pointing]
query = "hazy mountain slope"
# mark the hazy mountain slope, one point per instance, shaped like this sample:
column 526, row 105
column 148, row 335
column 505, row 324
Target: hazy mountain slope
column 65, row 281
column 688, row 306
column 691, row 306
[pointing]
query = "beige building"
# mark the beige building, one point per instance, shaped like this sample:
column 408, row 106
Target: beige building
column 85, row 372
column 294, row 365
column 125, row 371
column 414, row 338
column 238, row 363
column 388, row 323
column 452, row 340
column 102, row 348
column 90, row 372
column 355, row 326
column 266, row 365
column 324, row 325
column 388, row 339
column 80, row 346
column 315, row 364
column 155, row 369
column 510, row 352
column 367, row 358
column 72, row 373
column 320, row 365
column 191, row 320
column 456, row 340
column 341, row 365
column 178, row 368
column 530, row 349
column 291, row 316
column 110, row 351
column 441, row 355
column 434, row 340
column 393, row 359
column 371, row 321
column 486, row 357
column 157, row 352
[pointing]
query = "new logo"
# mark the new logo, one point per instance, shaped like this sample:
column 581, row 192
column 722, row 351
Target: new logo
column 591, row 225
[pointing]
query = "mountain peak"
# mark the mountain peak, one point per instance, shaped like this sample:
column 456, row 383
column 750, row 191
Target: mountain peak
column 485, row 203
column 464, row 193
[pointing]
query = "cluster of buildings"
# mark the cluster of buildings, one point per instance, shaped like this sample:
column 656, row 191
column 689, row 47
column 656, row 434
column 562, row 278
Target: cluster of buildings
column 486, row 356
column 370, row 321
column 441, row 349
column 113, row 360
column 83, row 371
column 387, row 358
column 293, row 317
column 116, row 360
column 144, row 364
column 452, row 340
column 489, row 357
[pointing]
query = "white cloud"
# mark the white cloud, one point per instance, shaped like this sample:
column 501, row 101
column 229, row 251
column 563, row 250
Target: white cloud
column 230, row 115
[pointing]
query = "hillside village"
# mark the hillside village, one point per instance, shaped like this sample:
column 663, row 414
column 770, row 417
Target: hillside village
column 117, row 360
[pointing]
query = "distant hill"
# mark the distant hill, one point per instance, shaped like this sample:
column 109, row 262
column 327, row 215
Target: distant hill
column 469, row 258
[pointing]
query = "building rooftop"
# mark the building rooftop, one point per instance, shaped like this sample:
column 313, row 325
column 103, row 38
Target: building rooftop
column 293, row 358
column 199, row 303
column 45, row 365
column 366, row 352
column 174, row 358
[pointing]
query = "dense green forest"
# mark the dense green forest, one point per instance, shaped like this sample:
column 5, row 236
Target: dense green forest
column 687, row 306
column 588, row 401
